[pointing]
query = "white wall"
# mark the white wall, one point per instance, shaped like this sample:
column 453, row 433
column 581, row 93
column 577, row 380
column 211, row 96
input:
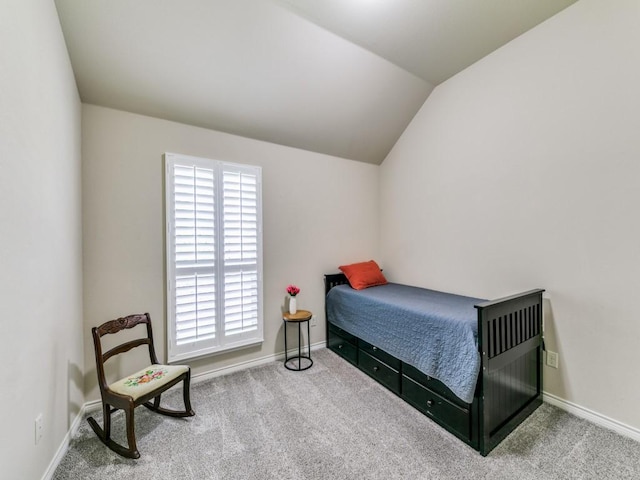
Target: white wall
column 40, row 238
column 319, row 212
column 522, row 171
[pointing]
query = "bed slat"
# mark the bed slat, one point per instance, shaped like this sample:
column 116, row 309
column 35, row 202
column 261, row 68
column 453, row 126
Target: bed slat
column 510, row 330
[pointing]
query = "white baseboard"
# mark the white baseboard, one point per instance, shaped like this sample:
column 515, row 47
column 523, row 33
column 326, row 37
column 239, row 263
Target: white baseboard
column 92, row 406
column 64, row 445
column 593, row 417
column 201, row 377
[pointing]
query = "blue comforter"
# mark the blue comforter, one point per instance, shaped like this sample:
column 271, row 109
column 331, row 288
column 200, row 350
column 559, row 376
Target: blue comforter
column 435, row 332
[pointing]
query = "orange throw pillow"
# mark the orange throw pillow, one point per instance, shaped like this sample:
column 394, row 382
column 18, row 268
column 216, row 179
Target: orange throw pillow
column 363, row 275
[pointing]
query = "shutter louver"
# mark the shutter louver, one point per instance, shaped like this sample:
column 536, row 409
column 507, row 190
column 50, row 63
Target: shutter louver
column 195, row 308
column 240, row 302
column 240, row 218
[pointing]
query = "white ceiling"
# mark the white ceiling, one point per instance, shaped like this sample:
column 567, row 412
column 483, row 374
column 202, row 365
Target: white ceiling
column 341, row 77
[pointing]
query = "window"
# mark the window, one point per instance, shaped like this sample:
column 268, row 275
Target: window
column 214, row 256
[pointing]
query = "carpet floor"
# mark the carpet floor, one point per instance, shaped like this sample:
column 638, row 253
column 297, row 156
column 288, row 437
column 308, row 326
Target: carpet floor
column 334, row 422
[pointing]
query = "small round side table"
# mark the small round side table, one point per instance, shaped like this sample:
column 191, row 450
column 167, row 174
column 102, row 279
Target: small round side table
column 299, row 317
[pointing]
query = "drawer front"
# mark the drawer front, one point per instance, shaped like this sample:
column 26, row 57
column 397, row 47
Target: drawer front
column 432, row 384
column 379, row 354
column 344, row 334
column 383, row 373
column 454, row 418
column 343, row 347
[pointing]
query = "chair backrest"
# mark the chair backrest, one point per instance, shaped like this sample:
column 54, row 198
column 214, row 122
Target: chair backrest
column 115, row 326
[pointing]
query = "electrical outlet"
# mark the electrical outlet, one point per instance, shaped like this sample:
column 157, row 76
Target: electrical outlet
column 552, row 359
column 38, row 428
column 314, row 321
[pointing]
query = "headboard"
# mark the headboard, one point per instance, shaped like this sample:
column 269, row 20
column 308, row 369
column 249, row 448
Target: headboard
column 333, row 280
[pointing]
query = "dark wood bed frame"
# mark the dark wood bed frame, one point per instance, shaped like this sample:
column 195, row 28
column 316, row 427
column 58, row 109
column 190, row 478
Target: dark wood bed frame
column 509, row 385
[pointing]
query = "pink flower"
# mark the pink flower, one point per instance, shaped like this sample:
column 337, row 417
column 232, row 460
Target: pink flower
column 293, row 290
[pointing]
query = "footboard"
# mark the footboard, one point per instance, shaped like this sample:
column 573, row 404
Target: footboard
column 510, row 345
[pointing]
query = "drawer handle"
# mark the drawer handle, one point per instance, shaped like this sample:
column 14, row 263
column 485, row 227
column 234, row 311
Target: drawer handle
column 430, row 403
column 376, row 368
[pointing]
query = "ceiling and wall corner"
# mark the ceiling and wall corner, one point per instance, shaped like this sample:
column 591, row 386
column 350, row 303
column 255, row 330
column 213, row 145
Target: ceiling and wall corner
column 340, row 77
column 246, row 67
column 433, row 39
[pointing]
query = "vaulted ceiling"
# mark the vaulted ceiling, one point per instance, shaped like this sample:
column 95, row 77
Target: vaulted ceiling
column 341, row 77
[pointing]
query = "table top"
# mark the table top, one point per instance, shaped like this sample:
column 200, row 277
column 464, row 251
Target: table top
column 299, row 316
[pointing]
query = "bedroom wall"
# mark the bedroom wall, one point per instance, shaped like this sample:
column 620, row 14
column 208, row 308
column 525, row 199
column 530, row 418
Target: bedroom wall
column 521, row 172
column 40, row 238
column 318, row 212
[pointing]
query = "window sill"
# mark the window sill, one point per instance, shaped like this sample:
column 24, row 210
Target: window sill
column 208, row 352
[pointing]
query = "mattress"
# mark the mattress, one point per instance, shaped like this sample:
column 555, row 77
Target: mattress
column 435, row 332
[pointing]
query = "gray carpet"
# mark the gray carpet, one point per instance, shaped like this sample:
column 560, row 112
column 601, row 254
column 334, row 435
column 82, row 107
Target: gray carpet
column 334, row 422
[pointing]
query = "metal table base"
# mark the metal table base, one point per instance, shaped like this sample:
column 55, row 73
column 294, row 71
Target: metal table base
column 300, row 356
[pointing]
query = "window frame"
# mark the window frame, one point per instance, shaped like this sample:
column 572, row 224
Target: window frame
column 221, row 342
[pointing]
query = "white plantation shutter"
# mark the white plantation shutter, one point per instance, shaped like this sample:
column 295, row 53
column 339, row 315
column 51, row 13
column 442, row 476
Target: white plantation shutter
column 214, row 264
column 240, row 227
column 194, row 237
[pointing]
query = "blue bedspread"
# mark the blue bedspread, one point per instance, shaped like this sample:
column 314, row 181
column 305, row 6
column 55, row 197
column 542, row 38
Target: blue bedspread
column 435, row 332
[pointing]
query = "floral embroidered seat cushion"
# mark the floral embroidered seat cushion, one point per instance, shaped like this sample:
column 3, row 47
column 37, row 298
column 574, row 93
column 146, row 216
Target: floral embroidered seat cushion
column 147, row 380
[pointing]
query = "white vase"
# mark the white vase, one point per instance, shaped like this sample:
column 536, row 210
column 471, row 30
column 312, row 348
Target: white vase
column 293, row 308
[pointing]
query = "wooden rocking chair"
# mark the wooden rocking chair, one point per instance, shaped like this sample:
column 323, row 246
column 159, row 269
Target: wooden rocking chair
column 136, row 389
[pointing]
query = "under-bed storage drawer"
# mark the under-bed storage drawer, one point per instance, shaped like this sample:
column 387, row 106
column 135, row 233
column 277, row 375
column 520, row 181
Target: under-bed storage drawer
column 382, row 372
column 374, row 351
column 455, row 418
column 343, row 333
column 343, row 343
column 432, row 384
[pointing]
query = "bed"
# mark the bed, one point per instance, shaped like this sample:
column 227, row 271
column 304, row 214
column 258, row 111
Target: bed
column 471, row 365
